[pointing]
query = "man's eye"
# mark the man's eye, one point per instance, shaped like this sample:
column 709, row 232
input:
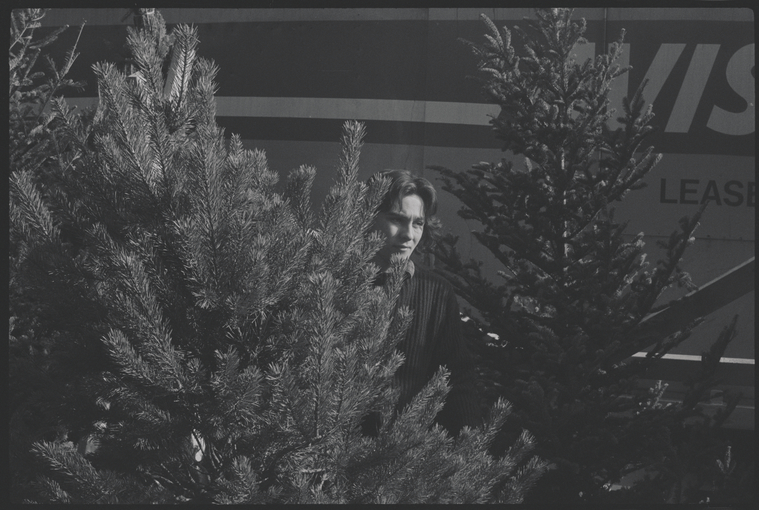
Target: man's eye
column 419, row 224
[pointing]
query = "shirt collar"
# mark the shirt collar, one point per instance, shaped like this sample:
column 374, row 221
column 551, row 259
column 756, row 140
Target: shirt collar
column 410, row 268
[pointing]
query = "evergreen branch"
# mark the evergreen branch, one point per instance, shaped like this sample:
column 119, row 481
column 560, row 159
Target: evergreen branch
column 182, row 63
column 28, row 211
column 23, row 24
column 525, row 478
column 662, row 275
column 209, row 201
column 77, row 470
column 159, row 143
column 52, row 491
column 340, row 386
column 352, row 141
column 56, row 85
column 177, row 485
column 699, row 383
column 110, row 90
column 238, row 391
column 298, row 190
column 127, row 358
column 147, row 58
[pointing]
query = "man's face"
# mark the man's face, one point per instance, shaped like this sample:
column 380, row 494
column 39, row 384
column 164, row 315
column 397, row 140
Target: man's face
column 403, row 227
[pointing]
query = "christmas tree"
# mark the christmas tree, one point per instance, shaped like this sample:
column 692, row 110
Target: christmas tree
column 556, row 328
column 35, row 82
column 35, row 146
column 218, row 338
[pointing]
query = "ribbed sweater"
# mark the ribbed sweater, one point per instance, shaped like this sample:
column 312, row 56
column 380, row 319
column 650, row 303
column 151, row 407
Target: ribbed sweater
column 434, row 339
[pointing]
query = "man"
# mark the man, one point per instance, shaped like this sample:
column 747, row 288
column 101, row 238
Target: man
column 406, row 218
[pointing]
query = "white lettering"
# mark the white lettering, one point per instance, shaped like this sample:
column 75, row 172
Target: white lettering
column 741, row 80
column 619, row 86
column 692, row 89
column 660, row 68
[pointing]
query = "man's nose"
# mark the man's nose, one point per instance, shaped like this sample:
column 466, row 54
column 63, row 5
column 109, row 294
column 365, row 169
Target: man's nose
column 405, row 232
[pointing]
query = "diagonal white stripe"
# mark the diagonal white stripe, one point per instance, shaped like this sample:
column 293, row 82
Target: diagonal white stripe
column 691, row 357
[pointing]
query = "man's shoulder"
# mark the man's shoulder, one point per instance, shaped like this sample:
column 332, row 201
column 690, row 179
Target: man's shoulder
column 428, row 277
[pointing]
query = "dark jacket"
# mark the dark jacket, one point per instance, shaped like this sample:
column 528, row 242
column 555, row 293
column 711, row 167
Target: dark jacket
column 434, row 339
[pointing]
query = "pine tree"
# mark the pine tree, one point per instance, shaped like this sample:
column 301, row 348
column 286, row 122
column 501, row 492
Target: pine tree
column 556, row 329
column 34, row 147
column 31, row 126
column 226, row 337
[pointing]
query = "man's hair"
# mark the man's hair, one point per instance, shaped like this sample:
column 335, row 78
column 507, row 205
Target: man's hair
column 404, row 183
